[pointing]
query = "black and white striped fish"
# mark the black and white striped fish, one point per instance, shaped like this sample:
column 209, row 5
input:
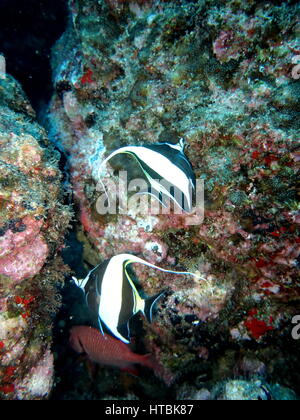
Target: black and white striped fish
column 167, row 169
column 112, row 296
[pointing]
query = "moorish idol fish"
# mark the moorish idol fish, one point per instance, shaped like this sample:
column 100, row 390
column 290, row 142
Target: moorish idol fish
column 109, row 351
column 164, row 161
column 112, row 296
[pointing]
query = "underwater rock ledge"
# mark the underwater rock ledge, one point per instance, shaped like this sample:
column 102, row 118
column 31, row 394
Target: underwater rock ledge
column 33, row 221
column 220, row 75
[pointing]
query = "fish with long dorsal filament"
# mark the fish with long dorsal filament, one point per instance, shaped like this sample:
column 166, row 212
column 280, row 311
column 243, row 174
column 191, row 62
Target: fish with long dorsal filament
column 112, row 297
column 109, row 351
column 167, row 169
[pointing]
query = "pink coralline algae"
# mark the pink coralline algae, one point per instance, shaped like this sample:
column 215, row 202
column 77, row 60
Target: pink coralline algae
column 13, row 240
column 227, row 46
column 32, row 224
column 39, row 380
column 25, row 261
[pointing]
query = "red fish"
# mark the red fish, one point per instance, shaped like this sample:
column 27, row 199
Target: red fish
column 106, row 350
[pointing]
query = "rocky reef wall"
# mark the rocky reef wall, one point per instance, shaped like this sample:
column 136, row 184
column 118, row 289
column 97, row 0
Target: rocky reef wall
column 221, row 75
column 224, row 76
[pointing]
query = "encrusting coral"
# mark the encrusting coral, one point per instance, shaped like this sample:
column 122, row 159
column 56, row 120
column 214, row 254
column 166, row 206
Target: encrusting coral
column 33, row 221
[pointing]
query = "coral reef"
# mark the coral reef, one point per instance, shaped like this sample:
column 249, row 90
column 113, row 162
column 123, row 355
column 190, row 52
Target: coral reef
column 220, row 75
column 251, row 390
column 33, row 221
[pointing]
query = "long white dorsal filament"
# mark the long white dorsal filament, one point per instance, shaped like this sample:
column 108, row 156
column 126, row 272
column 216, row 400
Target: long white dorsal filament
column 133, row 258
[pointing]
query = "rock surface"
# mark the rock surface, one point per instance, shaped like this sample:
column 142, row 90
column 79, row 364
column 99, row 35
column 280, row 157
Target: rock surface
column 221, row 75
column 33, row 221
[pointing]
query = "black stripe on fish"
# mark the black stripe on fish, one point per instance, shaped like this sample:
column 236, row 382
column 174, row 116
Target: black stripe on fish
column 93, row 288
column 124, row 330
column 128, row 303
column 173, row 190
column 175, row 156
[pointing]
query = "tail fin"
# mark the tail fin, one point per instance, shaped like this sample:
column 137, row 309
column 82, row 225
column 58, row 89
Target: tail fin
column 77, row 281
column 82, row 282
column 149, row 305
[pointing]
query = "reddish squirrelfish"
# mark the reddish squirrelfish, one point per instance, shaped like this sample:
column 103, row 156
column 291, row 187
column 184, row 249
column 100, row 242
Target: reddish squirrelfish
column 106, row 350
